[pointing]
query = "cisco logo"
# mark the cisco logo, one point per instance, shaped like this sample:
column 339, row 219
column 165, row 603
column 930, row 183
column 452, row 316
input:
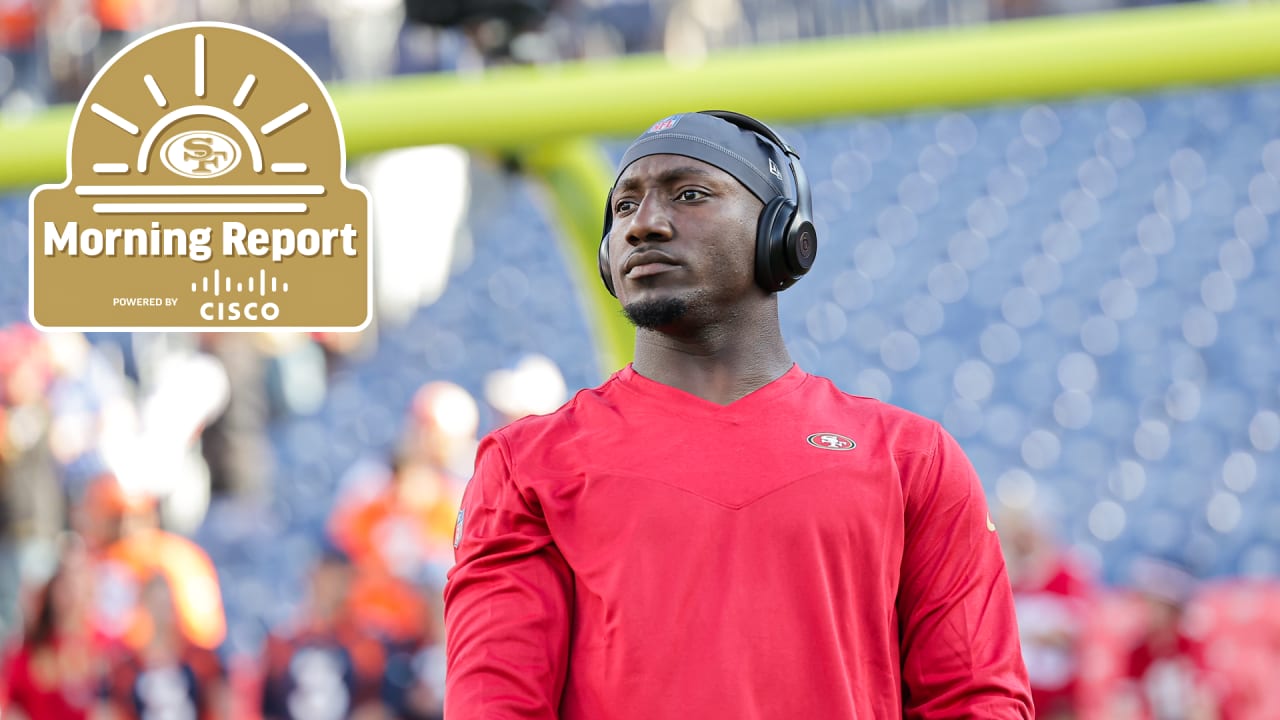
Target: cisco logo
column 200, row 154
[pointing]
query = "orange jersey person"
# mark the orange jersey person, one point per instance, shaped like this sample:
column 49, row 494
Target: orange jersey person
column 19, row 21
column 391, row 533
column 129, row 549
column 397, row 523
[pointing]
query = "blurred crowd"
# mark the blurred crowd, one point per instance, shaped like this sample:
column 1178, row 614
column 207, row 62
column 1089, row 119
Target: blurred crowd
column 110, row 610
column 1167, row 644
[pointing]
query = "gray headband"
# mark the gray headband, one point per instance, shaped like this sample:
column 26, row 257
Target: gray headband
column 749, row 158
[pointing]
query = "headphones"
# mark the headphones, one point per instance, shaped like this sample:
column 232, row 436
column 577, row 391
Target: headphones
column 786, row 241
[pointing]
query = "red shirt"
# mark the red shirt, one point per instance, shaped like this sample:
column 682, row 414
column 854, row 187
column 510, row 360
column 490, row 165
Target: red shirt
column 49, row 683
column 800, row 553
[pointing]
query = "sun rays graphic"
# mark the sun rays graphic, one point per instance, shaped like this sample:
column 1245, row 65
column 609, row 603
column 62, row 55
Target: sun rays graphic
column 202, row 156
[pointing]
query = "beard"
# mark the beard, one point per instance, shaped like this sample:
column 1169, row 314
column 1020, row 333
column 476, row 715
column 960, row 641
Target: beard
column 656, row 314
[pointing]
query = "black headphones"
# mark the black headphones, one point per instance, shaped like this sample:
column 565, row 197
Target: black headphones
column 786, row 242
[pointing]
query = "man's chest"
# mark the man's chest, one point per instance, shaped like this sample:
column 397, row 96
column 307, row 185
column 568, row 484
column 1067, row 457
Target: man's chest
column 734, row 495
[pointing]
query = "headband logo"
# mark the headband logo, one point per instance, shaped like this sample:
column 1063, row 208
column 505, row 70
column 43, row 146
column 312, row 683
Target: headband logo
column 665, row 124
column 773, row 169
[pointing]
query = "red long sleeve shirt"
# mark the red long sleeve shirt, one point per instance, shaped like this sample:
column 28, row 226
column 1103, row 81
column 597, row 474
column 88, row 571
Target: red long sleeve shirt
column 800, row 553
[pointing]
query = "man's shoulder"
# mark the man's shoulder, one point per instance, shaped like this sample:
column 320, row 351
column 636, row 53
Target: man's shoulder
column 900, row 430
column 539, row 448
column 872, row 406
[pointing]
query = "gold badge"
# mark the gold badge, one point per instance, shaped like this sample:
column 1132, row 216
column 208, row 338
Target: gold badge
column 205, row 191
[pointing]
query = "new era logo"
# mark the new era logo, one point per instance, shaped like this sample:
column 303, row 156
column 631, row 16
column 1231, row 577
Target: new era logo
column 831, row 441
column 773, row 169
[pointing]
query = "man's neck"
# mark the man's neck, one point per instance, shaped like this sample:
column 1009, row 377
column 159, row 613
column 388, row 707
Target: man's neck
column 717, row 364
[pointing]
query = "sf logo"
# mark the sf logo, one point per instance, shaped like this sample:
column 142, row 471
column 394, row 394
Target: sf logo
column 200, row 154
column 831, row 441
column 199, row 151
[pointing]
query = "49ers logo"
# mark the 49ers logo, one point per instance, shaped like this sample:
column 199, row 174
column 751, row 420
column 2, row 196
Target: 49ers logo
column 831, row 441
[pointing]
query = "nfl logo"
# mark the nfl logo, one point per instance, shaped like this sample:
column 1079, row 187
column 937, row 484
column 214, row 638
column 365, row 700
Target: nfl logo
column 665, row 124
column 457, row 529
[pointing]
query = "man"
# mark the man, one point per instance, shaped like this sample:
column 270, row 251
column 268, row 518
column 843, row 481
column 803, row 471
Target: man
column 713, row 532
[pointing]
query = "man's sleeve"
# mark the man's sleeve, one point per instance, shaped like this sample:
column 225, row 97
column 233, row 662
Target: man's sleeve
column 507, row 602
column 960, row 652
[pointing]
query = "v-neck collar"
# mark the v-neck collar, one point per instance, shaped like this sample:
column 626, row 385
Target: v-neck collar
column 674, row 399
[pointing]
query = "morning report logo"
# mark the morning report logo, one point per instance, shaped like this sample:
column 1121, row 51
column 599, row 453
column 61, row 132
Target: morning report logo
column 205, row 191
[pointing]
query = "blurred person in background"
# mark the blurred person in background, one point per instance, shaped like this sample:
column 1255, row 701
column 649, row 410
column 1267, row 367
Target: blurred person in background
column 324, row 666
column 31, row 502
column 396, row 523
column 364, row 37
column 441, row 429
column 22, row 61
column 181, row 393
column 120, row 22
column 342, row 349
column 1052, row 591
column 83, row 35
column 92, row 408
column 389, row 537
column 235, row 445
column 534, row 386
column 500, row 32
column 297, row 373
column 9, row 563
column 128, row 547
column 55, row 671
column 166, row 676
column 617, row 558
column 1165, row 673
column 414, row 681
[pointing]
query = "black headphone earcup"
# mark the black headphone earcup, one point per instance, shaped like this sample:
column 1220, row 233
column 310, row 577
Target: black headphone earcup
column 772, row 273
column 802, row 249
column 605, row 273
column 603, row 255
